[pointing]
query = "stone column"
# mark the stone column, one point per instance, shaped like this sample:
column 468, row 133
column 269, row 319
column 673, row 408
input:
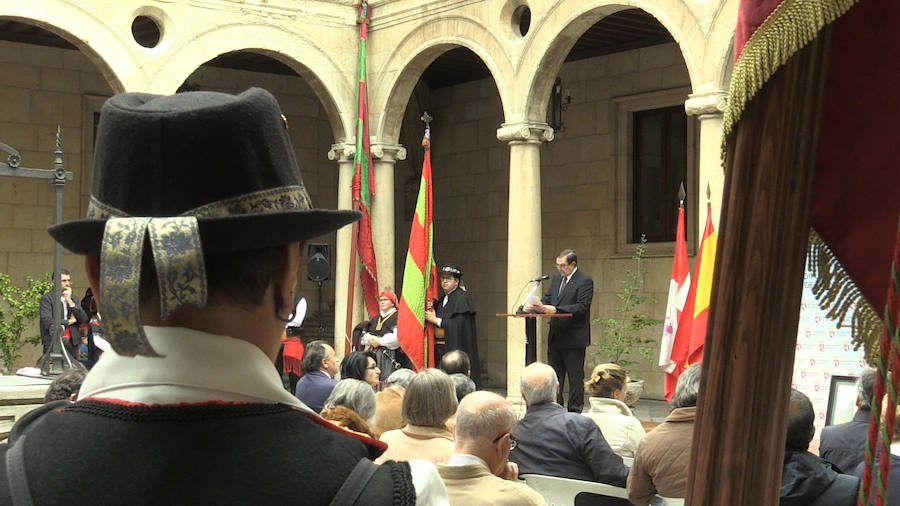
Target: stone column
column 343, row 154
column 383, row 233
column 523, row 249
column 708, row 108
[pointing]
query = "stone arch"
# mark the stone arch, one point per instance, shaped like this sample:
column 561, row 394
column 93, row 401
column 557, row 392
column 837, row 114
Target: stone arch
column 305, row 56
column 725, row 66
column 417, row 50
column 556, row 34
column 87, row 33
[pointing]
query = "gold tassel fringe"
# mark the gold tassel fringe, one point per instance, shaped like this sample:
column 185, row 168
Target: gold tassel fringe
column 838, row 294
column 790, row 27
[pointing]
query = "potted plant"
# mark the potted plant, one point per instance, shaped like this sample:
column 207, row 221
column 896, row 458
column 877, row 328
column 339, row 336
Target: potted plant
column 19, row 308
column 622, row 335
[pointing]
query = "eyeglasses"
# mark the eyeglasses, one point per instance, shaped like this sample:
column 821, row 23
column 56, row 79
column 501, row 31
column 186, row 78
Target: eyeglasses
column 512, row 442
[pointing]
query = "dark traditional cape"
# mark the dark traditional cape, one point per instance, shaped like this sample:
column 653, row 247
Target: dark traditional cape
column 458, row 322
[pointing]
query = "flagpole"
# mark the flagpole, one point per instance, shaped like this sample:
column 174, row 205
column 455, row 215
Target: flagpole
column 360, row 157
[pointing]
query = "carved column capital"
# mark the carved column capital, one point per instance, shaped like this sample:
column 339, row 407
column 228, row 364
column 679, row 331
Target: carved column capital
column 389, row 152
column 342, row 152
column 525, row 131
column 711, row 102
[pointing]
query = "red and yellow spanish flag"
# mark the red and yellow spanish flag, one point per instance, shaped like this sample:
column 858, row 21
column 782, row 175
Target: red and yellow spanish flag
column 420, row 283
column 703, row 273
column 687, row 348
column 364, row 177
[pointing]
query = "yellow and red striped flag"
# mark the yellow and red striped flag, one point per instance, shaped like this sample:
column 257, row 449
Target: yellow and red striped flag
column 419, row 275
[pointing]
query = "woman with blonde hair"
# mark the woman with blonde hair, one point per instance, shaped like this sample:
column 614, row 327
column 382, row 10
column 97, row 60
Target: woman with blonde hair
column 607, row 386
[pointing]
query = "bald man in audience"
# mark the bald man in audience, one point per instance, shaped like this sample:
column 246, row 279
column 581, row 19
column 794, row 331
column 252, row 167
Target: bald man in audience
column 479, row 471
column 555, row 442
column 456, row 361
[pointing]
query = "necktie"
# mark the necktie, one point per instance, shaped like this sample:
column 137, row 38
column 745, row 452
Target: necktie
column 562, row 286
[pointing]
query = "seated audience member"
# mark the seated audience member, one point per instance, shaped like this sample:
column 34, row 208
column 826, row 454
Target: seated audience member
column 456, row 361
column 607, row 386
column 462, row 384
column 389, row 402
column 428, row 402
column 844, row 445
column 319, row 367
column 479, row 471
column 361, row 365
column 65, row 386
column 661, row 460
column 808, row 480
column 350, row 406
column 555, row 442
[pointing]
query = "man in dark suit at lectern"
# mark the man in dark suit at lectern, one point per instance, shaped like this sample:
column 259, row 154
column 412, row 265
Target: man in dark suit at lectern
column 571, row 291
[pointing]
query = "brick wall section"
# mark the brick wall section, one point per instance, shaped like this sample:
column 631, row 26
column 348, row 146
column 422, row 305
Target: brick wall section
column 40, row 88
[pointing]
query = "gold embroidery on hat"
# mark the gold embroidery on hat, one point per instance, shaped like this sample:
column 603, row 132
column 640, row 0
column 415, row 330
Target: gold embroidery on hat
column 178, row 256
column 120, row 278
column 98, row 210
column 273, row 200
column 285, row 198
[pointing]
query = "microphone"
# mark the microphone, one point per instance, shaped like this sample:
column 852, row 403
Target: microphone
column 542, row 278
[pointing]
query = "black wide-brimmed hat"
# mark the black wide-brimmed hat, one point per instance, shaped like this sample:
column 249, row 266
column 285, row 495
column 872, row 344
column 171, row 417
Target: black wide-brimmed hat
column 225, row 159
column 451, row 270
column 187, row 174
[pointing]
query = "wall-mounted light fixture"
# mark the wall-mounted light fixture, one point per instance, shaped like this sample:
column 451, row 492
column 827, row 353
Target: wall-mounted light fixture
column 559, row 103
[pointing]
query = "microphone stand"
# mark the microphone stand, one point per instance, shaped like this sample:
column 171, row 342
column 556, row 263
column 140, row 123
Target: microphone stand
column 519, row 309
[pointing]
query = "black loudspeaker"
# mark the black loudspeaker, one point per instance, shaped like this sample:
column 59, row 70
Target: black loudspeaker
column 318, row 263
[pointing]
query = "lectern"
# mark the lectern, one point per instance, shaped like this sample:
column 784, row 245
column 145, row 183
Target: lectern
column 531, row 330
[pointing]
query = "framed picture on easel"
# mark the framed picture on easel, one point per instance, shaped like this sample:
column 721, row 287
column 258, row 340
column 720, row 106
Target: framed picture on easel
column 841, row 400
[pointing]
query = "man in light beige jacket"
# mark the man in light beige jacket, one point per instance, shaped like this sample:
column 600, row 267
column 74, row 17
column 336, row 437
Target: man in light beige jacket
column 479, row 471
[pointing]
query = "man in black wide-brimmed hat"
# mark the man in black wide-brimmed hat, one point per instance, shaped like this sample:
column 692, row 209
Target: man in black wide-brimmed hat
column 454, row 316
column 192, row 243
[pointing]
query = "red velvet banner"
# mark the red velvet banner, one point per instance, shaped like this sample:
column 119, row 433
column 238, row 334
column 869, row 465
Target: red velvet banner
column 856, row 202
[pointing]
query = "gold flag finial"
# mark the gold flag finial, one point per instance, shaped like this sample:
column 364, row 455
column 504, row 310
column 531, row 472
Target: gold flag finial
column 681, row 194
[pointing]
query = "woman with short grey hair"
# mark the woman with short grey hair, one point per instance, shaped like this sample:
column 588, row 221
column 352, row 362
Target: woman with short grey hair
column 351, row 405
column 429, row 401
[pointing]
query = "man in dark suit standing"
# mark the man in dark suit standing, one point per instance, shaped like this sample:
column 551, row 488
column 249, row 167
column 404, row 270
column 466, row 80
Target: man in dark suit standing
column 571, row 291
column 72, row 316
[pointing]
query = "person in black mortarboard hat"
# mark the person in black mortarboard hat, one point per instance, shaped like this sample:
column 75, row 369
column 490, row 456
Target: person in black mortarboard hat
column 454, row 315
column 192, row 242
